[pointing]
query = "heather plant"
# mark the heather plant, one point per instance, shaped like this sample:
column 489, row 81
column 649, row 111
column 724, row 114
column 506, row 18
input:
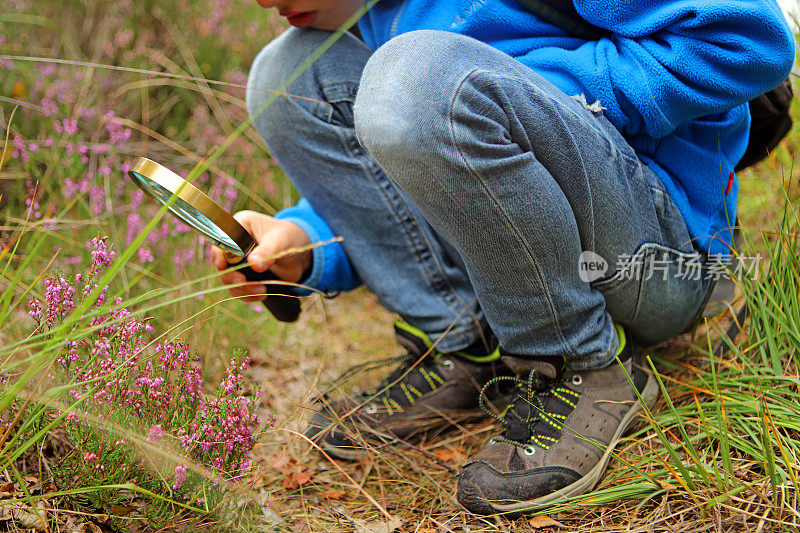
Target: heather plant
column 84, row 91
column 127, row 409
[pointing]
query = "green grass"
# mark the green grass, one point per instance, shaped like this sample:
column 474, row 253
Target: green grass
column 720, row 448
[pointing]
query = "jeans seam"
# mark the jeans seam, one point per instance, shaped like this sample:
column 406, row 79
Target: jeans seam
column 417, row 241
column 509, row 224
column 345, row 95
column 588, row 363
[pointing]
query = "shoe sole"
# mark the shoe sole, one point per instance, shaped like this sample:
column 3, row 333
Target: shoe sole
column 590, row 480
column 346, row 454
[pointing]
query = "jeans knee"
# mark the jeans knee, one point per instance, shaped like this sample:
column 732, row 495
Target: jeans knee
column 402, row 102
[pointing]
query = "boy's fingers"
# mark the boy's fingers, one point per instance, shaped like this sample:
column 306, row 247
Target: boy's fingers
column 262, row 257
column 274, row 236
column 250, row 293
column 232, row 278
column 218, row 258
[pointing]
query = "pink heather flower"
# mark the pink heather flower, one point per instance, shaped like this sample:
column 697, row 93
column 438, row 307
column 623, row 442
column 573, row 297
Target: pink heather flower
column 30, row 199
column 21, row 149
column 102, row 254
column 97, row 197
column 234, row 378
column 151, row 383
column 180, row 476
column 123, row 38
column 145, row 255
column 118, row 134
column 46, row 69
column 59, row 299
column 50, row 108
column 134, row 226
column 71, row 188
column 70, row 126
column 34, row 309
column 156, row 433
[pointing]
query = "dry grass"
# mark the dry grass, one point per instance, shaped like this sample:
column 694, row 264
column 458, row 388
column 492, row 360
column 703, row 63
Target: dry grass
column 415, row 482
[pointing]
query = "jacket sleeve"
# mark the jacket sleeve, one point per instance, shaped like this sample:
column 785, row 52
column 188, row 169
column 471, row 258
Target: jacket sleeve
column 672, row 61
column 331, row 271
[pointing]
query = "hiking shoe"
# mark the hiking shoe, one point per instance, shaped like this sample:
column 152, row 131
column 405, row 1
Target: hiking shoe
column 558, row 432
column 428, row 391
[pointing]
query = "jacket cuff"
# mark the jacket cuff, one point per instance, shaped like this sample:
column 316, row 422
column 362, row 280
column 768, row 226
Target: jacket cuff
column 331, row 271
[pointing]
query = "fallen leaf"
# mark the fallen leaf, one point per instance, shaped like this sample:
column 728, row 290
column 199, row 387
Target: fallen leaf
column 295, row 480
column 379, row 526
column 88, row 527
column 7, row 490
column 450, row 453
column 282, row 464
column 122, row 510
column 333, row 494
column 27, row 518
column 539, row 522
column 31, row 479
column 664, row 485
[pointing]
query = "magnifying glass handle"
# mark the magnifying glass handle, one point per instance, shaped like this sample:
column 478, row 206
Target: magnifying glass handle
column 285, row 308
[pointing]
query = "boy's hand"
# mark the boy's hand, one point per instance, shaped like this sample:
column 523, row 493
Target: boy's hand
column 272, row 237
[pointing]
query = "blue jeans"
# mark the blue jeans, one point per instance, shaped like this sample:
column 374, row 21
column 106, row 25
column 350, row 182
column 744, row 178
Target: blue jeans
column 467, row 188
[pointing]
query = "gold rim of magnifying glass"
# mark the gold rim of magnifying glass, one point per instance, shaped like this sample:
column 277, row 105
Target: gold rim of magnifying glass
column 196, row 198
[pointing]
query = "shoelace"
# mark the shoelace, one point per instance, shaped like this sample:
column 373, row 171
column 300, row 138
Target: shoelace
column 415, row 376
column 531, row 417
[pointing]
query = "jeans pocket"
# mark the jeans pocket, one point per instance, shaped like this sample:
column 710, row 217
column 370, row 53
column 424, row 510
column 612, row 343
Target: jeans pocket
column 657, row 293
column 670, row 221
column 336, row 106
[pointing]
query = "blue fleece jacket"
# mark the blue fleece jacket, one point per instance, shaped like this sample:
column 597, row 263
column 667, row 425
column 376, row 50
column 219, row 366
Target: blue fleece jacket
column 674, row 78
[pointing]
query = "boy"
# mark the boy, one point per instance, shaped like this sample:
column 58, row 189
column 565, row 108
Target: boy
column 526, row 200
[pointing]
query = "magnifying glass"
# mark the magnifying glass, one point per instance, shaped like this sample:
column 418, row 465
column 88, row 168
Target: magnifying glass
column 202, row 213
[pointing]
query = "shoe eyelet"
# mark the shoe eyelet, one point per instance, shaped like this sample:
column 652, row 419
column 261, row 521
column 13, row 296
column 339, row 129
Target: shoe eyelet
column 529, row 450
column 371, row 409
column 447, row 363
column 577, row 380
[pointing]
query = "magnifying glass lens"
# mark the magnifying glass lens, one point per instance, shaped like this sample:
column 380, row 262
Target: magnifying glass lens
column 191, row 216
column 202, row 213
